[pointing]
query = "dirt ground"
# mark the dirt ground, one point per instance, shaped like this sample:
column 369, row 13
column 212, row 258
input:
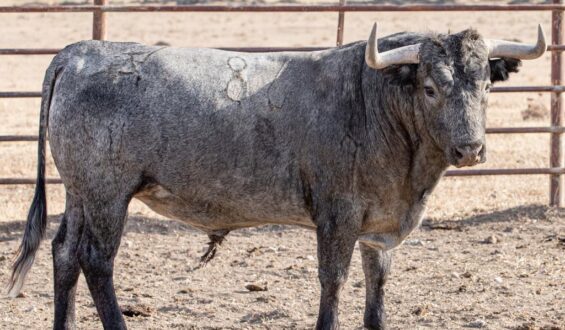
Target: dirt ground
column 490, row 253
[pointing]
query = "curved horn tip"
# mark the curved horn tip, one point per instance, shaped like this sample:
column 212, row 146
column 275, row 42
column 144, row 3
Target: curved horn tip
column 541, row 31
column 541, row 43
column 371, row 52
column 401, row 55
column 541, row 34
column 502, row 48
column 373, row 34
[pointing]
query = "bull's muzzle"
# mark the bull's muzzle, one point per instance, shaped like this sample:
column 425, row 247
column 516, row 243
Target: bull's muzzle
column 469, row 154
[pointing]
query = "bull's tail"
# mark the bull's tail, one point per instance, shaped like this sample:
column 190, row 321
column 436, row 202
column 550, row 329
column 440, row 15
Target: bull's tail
column 37, row 215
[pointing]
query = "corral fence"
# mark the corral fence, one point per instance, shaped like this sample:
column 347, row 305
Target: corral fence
column 555, row 169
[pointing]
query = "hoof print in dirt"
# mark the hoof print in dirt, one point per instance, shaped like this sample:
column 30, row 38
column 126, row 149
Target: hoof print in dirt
column 420, row 310
column 492, row 239
column 136, row 310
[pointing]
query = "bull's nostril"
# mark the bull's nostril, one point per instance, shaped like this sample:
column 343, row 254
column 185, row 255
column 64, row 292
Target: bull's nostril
column 468, row 154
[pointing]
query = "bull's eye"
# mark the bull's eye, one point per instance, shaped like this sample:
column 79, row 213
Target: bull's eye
column 430, row 92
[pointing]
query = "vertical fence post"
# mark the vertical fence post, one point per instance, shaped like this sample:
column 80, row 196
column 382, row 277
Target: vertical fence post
column 99, row 21
column 340, row 23
column 555, row 185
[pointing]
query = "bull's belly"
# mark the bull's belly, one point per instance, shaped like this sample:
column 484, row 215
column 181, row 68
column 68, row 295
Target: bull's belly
column 382, row 229
column 210, row 215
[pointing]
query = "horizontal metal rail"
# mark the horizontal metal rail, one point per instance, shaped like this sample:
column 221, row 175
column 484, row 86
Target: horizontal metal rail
column 19, row 94
column 556, row 48
column 280, row 8
column 505, row 171
column 17, row 138
column 511, row 130
column 29, row 51
column 18, row 181
column 492, row 130
column 53, row 51
column 508, row 89
column 528, row 89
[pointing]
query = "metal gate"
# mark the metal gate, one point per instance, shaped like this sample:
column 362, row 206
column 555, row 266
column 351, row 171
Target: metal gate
column 555, row 169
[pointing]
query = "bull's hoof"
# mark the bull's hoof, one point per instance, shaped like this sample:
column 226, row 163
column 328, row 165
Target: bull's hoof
column 376, row 322
column 376, row 325
column 328, row 321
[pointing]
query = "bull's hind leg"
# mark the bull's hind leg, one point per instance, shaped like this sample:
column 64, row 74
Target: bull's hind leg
column 65, row 263
column 376, row 266
column 337, row 231
column 105, row 220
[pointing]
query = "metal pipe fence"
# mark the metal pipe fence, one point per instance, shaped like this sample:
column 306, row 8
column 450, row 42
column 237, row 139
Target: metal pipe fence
column 556, row 168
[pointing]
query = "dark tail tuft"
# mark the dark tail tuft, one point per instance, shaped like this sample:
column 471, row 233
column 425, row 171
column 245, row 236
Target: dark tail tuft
column 37, row 216
column 34, row 232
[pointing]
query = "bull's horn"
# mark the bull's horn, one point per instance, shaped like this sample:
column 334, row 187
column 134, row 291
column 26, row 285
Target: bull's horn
column 503, row 48
column 401, row 55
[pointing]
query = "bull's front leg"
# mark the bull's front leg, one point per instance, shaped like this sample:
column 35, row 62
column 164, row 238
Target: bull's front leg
column 338, row 225
column 376, row 266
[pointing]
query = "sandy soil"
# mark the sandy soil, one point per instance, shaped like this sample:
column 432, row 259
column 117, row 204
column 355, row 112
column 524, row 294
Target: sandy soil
column 446, row 276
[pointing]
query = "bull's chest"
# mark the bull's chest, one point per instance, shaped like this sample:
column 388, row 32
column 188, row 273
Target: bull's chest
column 385, row 227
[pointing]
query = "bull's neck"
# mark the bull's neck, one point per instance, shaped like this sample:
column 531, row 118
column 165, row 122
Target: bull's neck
column 397, row 134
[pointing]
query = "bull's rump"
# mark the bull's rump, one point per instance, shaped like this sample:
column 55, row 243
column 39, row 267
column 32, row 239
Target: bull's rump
column 207, row 136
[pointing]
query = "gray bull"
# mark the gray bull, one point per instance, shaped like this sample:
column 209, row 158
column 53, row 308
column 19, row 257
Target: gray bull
column 348, row 142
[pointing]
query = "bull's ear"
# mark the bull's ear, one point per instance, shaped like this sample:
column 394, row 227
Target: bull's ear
column 501, row 68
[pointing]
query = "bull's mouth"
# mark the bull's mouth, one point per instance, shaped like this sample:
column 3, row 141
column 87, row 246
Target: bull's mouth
column 468, row 163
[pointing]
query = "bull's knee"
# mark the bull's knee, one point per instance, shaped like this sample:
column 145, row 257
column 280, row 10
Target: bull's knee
column 92, row 258
column 332, row 281
column 59, row 238
column 63, row 250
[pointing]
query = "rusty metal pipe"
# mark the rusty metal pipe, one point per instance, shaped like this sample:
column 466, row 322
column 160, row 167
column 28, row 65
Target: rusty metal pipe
column 19, row 94
column 53, row 51
column 507, row 171
column 502, row 171
column 99, row 21
column 555, row 157
column 30, row 181
column 340, row 24
column 280, row 8
column 491, row 130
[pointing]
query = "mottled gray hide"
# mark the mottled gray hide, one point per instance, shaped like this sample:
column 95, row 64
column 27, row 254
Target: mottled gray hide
column 225, row 140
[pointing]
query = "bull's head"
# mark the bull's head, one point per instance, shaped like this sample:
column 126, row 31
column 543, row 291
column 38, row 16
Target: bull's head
column 452, row 82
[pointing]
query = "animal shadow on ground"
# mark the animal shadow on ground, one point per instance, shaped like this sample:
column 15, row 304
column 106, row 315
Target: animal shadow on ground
column 13, row 230
column 513, row 214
